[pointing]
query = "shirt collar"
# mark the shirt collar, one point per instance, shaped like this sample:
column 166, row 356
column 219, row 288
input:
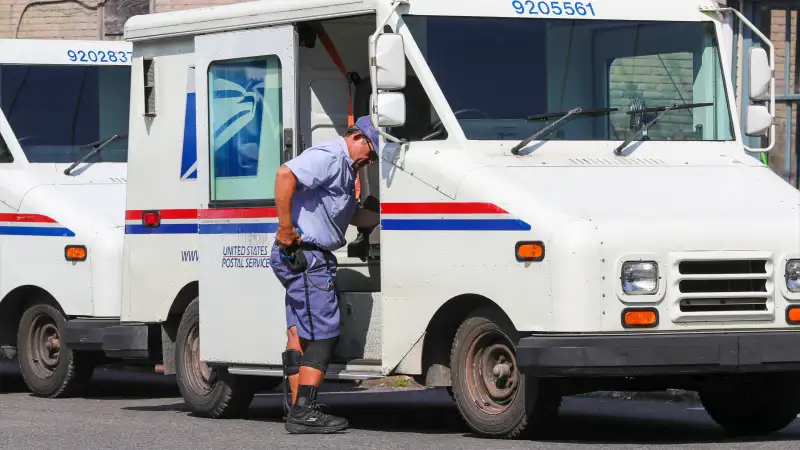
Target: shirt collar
column 343, row 145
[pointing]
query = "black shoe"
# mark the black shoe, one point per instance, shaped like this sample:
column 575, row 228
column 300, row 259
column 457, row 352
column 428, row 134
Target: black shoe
column 311, row 420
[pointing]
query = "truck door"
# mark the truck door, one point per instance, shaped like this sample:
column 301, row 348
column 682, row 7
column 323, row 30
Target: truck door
column 246, row 110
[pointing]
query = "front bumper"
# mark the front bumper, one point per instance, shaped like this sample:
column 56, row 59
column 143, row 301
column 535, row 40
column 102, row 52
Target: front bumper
column 571, row 355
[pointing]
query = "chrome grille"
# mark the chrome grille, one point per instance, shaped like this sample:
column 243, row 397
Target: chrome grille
column 714, row 288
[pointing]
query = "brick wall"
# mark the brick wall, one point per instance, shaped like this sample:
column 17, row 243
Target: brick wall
column 657, row 80
column 67, row 20
column 777, row 26
column 172, row 5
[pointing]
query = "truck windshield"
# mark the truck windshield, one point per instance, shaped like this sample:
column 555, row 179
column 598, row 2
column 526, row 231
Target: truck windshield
column 56, row 110
column 498, row 72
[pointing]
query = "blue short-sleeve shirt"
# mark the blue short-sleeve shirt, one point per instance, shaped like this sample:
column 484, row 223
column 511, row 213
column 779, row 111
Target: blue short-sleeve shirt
column 324, row 199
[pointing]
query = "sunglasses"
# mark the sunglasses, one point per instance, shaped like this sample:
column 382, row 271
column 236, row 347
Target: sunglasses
column 373, row 155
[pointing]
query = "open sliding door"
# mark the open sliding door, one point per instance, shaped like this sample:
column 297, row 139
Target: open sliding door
column 246, row 110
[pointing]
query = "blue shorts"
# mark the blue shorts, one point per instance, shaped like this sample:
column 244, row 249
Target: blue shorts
column 312, row 297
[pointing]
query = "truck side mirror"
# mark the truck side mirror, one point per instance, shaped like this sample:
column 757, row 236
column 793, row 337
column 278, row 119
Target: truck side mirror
column 390, row 108
column 389, row 61
column 759, row 121
column 760, row 74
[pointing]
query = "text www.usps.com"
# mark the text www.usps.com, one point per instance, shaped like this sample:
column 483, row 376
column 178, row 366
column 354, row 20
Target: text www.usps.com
column 189, row 256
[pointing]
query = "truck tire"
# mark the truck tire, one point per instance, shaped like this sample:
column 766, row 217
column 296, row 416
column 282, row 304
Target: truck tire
column 759, row 407
column 49, row 369
column 493, row 397
column 209, row 393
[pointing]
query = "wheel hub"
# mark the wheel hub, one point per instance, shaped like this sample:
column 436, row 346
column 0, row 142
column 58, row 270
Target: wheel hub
column 44, row 346
column 499, row 372
column 198, row 374
column 492, row 373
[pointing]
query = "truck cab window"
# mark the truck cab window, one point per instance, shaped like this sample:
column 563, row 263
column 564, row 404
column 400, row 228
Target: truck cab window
column 245, row 128
column 53, row 120
column 505, row 70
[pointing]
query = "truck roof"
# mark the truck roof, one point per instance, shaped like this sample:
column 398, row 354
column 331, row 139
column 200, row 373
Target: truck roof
column 62, row 52
column 238, row 16
column 261, row 13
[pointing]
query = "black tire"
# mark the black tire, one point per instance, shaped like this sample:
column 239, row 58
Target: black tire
column 213, row 393
column 49, row 369
column 518, row 406
column 755, row 406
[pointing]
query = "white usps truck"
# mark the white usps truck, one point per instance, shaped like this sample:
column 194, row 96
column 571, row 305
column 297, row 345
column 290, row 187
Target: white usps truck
column 63, row 149
column 566, row 203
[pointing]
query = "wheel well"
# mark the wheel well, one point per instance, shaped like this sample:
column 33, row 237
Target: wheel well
column 169, row 328
column 14, row 305
column 440, row 333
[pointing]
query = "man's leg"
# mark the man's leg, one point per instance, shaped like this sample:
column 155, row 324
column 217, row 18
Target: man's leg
column 293, row 355
column 311, row 375
column 318, row 334
column 305, row 416
column 292, row 360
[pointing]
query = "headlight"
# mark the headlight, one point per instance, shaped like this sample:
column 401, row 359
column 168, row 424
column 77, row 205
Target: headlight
column 640, row 277
column 793, row 275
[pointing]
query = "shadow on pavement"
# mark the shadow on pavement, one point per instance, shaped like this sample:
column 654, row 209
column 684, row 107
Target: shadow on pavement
column 432, row 411
column 581, row 421
column 107, row 384
column 428, row 412
column 679, row 426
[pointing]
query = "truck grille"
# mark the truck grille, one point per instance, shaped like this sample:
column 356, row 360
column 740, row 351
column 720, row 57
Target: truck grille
column 721, row 289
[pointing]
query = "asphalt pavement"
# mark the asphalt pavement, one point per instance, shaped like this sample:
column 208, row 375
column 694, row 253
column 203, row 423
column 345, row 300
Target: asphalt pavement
column 144, row 411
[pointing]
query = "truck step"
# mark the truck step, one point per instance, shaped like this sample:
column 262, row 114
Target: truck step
column 349, row 371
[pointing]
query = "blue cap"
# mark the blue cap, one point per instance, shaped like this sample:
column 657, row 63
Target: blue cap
column 365, row 125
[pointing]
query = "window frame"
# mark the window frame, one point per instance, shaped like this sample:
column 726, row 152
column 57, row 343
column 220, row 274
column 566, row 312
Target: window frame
column 242, row 203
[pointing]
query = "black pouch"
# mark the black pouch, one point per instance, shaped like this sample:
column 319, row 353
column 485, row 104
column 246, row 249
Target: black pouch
column 294, row 258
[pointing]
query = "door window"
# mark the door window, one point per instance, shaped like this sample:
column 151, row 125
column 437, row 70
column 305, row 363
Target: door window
column 245, row 128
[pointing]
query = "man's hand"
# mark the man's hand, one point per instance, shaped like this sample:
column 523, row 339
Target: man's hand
column 287, row 236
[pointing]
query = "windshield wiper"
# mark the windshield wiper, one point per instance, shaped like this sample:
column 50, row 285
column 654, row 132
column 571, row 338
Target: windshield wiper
column 563, row 117
column 98, row 145
column 663, row 110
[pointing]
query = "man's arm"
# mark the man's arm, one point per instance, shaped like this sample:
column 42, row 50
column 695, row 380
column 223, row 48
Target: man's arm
column 285, row 185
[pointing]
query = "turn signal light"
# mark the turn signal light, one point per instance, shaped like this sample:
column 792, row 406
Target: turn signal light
column 75, row 253
column 793, row 315
column 640, row 318
column 529, row 251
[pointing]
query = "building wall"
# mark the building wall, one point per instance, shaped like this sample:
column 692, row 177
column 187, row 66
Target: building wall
column 66, row 20
column 776, row 24
column 172, row 5
column 656, row 80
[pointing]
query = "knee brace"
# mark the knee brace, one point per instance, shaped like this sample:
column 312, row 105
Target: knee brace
column 318, row 354
column 291, row 362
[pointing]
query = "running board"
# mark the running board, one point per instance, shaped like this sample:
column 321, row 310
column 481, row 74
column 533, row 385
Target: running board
column 335, row 371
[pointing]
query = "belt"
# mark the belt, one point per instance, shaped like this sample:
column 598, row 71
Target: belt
column 309, row 246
